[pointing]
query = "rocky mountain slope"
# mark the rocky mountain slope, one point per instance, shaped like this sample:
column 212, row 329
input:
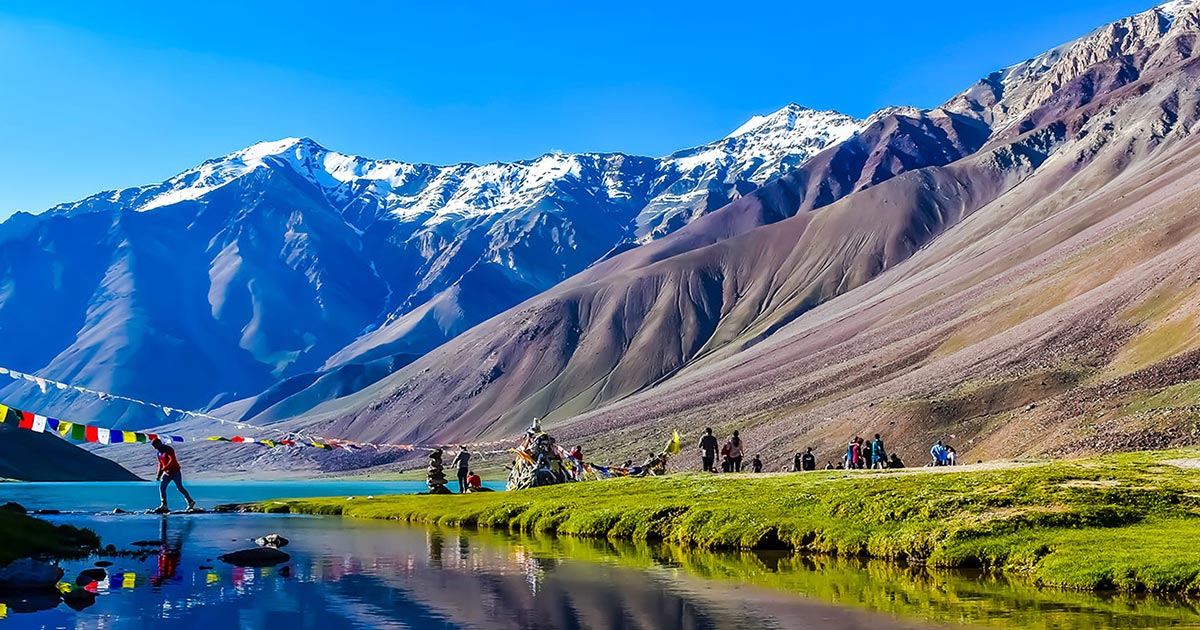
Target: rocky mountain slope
column 289, row 261
column 29, row 456
column 1013, row 272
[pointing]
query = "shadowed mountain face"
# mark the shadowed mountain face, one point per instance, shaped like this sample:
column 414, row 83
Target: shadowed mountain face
column 30, row 456
column 285, row 258
column 940, row 280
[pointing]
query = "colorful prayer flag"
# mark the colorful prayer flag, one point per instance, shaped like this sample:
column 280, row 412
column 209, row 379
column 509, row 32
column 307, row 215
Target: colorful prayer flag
column 128, row 580
column 79, row 433
column 65, row 428
column 39, row 424
column 90, row 434
column 26, row 420
column 131, row 437
column 104, row 436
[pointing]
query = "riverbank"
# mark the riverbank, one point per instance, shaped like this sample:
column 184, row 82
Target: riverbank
column 1122, row 522
column 25, row 536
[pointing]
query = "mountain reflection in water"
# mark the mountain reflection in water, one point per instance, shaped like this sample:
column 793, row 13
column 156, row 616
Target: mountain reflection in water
column 355, row 574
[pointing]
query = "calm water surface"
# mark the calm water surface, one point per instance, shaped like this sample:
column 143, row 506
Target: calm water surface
column 345, row 573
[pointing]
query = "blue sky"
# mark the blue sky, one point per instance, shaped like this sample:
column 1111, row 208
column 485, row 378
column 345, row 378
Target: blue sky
column 106, row 95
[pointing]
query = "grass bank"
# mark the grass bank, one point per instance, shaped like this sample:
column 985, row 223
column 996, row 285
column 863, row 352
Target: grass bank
column 23, row 536
column 1124, row 522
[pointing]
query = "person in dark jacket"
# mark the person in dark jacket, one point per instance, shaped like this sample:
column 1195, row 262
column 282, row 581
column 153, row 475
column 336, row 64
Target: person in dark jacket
column 708, row 450
column 808, row 461
column 798, row 463
column 463, row 461
column 756, row 464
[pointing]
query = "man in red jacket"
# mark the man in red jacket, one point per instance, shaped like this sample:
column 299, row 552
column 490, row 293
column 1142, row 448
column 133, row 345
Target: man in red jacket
column 168, row 471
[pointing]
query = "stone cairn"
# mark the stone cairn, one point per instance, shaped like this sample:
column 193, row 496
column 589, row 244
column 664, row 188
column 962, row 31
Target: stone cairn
column 435, row 477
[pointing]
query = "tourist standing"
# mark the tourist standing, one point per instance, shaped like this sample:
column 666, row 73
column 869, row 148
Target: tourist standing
column 852, row 452
column 708, row 451
column 756, row 464
column 878, row 454
column 808, row 461
column 735, row 452
column 798, row 463
column 463, row 461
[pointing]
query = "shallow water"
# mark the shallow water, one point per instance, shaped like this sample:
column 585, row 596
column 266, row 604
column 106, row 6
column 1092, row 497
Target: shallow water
column 134, row 496
column 347, row 573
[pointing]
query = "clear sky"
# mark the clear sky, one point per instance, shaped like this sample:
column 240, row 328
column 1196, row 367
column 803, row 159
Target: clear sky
column 103, row 95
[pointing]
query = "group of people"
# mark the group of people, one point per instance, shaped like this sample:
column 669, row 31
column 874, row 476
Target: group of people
column 468, row 481
column 943, row 454
column 732, row 453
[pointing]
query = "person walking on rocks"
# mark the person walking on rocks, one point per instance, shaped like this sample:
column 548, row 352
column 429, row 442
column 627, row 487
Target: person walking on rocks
column 169, row 471
column 708, row 450
column 463, row 461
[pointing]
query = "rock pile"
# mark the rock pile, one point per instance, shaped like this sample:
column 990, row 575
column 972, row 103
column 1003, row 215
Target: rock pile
column 435, row 476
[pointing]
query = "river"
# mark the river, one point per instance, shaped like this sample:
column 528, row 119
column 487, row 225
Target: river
column 346, row 573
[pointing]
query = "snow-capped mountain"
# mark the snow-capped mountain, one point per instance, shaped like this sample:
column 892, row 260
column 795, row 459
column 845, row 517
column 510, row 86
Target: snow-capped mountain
column 286, row 257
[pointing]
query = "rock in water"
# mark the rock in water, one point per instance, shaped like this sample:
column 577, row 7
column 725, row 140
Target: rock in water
column 259, row 557
column 272, row 540
column 87, row 576
column 13, row 507
column 27, row 573
column 79, row 599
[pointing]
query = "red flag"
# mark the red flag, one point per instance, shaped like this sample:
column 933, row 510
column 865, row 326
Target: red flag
column 151, row 436
column 26, row 420
column 90, row 434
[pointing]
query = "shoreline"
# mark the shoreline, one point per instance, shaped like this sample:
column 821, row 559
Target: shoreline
column 1117, row 523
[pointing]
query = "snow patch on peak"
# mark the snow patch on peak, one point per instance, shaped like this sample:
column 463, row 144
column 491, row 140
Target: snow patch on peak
column 1175, row 7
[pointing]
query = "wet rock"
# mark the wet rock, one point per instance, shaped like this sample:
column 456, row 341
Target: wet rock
column 79, row 599
column 103, row 563
column 119, row 511
column 13, row 507
column 259, row 557
column 27, row 573
column 271, row 540
column 145, row 543
column 285, row 572
column 31, row 601
column 205, row 567
column 87, row 576
column 47, row 512
column 110, row 549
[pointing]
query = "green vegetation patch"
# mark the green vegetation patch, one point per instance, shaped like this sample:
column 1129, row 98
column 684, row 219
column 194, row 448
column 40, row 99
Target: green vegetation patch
column 1122, row 522
column 25, row 536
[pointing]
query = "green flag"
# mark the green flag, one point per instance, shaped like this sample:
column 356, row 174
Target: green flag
column 79, row 433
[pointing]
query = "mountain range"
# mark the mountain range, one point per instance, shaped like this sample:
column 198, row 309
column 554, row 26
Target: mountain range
column 1013, row 271
column 279, row 263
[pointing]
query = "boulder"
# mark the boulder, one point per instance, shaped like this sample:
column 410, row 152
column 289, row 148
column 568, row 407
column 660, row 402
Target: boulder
column 102, row 563
column 258, row 557
column 13, row 507
column 272, row 540
column 27, row 573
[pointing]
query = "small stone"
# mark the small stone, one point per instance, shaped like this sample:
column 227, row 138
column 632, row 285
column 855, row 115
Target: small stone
column 272, row 540
column 87, row 576
column 260, row 557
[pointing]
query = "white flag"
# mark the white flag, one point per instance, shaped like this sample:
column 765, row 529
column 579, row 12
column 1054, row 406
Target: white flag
column 62, row 386
column 39, row 424
column 3, row 370
column 41, row 383
column 103, row 436
column 168, row 410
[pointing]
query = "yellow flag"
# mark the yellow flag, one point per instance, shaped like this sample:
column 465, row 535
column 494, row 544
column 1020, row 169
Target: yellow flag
column 211, row 578
column 3, row 611
column 64, row 587
column 675, row 444
column 129, row 580
column 64, row 427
